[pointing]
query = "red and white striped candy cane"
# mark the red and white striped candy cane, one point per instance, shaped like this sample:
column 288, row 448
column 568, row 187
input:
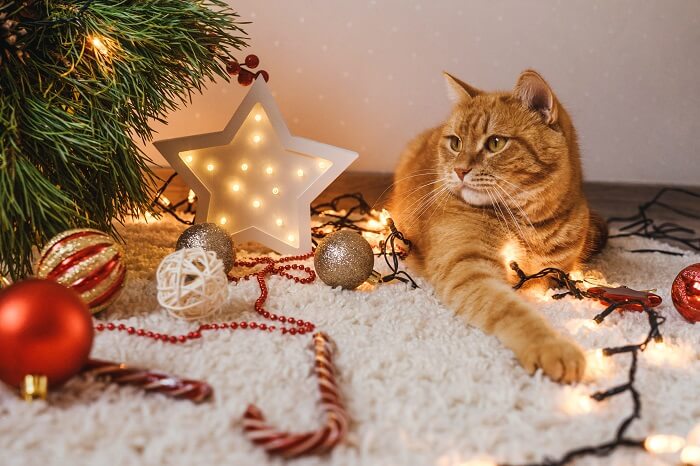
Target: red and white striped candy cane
column 336, row 418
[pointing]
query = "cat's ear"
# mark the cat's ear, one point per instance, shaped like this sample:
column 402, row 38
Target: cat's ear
column 458, row 90
column 534, row 92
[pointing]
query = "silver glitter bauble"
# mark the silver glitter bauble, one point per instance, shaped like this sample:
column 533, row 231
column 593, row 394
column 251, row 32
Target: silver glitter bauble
column 209, row 237
column 344, row 258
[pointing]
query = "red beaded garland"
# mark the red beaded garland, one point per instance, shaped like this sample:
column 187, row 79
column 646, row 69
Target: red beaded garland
column 271, row 267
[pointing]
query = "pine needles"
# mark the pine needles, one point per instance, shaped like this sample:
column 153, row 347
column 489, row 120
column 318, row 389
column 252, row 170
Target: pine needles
column 90, row 77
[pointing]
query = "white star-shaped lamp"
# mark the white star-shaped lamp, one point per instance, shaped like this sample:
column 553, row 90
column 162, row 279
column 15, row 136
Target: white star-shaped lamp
column 255, row 179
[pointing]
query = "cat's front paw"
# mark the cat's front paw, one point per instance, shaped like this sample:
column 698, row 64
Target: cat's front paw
column 560, row 359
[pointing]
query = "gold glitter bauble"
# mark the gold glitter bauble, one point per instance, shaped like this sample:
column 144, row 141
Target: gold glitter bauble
column 209, row 237
column 345, row 259
column 87, row 261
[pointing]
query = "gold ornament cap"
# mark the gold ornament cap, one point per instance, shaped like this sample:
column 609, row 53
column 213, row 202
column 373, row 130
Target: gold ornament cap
column 33, row 387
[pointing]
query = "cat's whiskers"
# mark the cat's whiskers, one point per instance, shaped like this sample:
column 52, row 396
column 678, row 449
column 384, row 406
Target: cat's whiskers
column 442, row 179
column 426, row 201
column 522, row 192
column 435, row 202
column 414, row 174
column 517, row 205
column 515, row 220
column 499, row 213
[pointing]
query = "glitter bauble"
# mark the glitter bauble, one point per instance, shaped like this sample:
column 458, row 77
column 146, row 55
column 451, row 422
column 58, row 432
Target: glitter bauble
column 685, row 293
column 45, row 330
column 209, row 237
column 87, row 261
column 345, row 259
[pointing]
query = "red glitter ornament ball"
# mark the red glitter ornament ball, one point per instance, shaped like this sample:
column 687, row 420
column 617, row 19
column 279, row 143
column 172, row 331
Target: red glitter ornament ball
column 685, row 293
column 45, row 329
column 252, row 61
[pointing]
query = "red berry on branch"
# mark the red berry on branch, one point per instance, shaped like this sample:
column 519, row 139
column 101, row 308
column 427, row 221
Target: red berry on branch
column 233, row 67
column 251, row 61
column 264, row 74
column 245, row 77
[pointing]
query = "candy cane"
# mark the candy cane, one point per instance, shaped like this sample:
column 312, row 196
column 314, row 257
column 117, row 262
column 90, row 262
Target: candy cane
column 172, row 386
column 334, row 429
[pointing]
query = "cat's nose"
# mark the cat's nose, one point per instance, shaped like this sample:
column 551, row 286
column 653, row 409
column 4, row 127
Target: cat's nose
column 462, row 172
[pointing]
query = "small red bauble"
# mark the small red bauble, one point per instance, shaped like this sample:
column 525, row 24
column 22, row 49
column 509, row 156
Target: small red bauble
column 252, row 61
column 45, row 330
column 264, row 74
column 685, row 293
column 233, row 67
column 245, row 77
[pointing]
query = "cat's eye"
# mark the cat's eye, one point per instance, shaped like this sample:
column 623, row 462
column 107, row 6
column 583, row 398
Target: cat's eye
column 496, row 143
column 455, row 143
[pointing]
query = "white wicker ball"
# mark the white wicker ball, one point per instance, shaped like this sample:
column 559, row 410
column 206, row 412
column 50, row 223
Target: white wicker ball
column 192, row 283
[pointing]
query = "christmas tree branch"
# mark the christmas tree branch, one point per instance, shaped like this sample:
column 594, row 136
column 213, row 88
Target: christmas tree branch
column 77, row 87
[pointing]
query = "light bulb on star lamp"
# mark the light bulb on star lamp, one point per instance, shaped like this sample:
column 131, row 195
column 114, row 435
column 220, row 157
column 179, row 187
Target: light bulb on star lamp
column 254, row 178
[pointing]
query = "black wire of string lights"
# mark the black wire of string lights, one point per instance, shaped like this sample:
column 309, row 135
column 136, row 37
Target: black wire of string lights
column 655, row 320
column 642, row 225
column 334, row 217
column 345, row 218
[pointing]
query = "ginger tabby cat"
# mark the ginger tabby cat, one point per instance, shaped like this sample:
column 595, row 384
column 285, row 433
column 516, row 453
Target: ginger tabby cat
column 502, row 173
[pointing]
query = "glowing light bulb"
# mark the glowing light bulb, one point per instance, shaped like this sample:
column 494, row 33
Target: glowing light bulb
column 99, row 45
column 576, row 401
column 275, row 190
column 268, row 170
column 590, row 324
column 279, row 222
column 290, row 237
column 691, row 455
column 165, row 200
column 223, row 220
column 236, row 187
column 258, row 117
column 374, row 224
column 190, row 196
column 210, row 167
column 188, row 159
column 300, row 173
column 244, row 167
column 257, row 138
column 256, row 203
column 384, row 217
column 660, row 443
column 509, row 252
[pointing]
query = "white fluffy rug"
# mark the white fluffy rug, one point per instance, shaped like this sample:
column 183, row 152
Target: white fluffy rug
column 422, row 388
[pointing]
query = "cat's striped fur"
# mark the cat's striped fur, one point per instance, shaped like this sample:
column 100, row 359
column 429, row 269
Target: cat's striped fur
column 525, row 199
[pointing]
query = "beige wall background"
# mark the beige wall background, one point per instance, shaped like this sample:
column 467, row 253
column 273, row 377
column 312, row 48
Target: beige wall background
column 366, row 75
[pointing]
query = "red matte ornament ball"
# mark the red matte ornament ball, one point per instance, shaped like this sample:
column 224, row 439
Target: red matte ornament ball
column 45, row 329
column 252, row 61
column 233, row 67
column 245, row 77
column 685, row 293
column 265, row 75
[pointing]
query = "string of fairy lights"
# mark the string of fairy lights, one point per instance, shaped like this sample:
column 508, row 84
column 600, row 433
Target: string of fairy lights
column 643, row 225
column 351, row 211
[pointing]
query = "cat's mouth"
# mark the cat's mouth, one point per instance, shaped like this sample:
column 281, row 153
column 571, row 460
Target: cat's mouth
column 475, row 195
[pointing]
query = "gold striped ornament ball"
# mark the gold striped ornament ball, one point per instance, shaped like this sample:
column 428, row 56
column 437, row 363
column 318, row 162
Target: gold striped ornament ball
column 89, row 262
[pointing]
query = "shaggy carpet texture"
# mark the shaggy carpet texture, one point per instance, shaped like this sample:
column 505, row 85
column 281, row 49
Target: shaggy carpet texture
column 422, row 388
